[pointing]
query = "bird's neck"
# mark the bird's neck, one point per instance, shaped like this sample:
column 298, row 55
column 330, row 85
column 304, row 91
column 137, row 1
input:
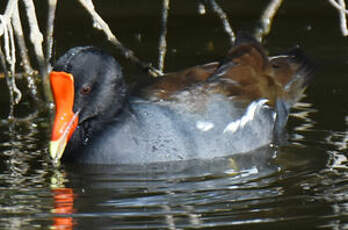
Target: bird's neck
column 86, row 132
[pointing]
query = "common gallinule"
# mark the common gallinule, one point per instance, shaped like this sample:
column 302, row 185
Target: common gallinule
column 232, row 106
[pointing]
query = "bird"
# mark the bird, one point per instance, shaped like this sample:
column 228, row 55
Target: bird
column 236, row 104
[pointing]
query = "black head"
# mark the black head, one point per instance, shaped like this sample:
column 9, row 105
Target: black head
column 100, row 89
column 99, row 96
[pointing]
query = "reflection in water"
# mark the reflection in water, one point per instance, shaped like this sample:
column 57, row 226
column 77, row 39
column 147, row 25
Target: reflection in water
column 173, row 195
column 63, row 207
column 303, row 111
column 227, row 191
column 22, row 192
column 63, row 199
column 339, row 139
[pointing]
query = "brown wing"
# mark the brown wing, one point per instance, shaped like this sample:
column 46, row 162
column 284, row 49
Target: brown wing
column 245, row 73
column 170, row 83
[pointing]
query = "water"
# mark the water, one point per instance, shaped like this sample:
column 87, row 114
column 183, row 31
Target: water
column 302, row 185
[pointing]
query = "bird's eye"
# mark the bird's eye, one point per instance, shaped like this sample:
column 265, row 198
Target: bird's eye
column 85, row 90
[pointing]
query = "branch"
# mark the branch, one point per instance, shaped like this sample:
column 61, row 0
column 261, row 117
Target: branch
column 267, row 19
column 9, row 85
column 17, row 26
column 163, row 42
column 222, row 15
column 52, row 5
column 341, row 7
column 343, row 18
column 338, row 6
column 12, row 60
column 7, row 15
column 100, row 24
column 18, row 29
column 10, row 50
column 36, row 37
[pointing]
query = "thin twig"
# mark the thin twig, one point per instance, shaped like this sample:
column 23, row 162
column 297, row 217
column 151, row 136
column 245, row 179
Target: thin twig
column 36, row 37
column 52, row 5
column 10, row 49
column 267, row 19
column 100, row 24
column 163, row 36
column 222, row 15
column 8, row 81
column 46, row 68
column 341, row 7
column 11, row 26
column 338, row 6
column 343, row 18
column 8, row 13
column 12, row 61
column 18, row 29
column 17, row 26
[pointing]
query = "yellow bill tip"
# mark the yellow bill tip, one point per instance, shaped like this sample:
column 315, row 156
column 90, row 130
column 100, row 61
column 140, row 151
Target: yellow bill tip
column 57, row 147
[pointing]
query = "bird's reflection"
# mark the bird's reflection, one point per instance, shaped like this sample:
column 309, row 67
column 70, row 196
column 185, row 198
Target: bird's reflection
column 63, row 199
column 258, row 161
column 179, row 192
